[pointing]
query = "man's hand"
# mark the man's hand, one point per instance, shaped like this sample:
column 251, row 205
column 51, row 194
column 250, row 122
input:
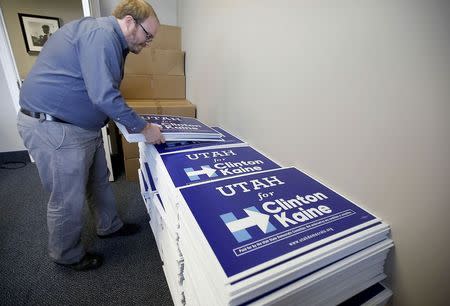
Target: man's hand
column 152, row 133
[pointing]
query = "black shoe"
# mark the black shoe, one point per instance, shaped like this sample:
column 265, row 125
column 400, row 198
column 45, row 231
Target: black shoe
column 88, row 262
column 127, row 229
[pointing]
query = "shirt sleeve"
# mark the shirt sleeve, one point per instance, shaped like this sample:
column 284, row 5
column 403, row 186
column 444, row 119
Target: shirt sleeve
column 101, row 61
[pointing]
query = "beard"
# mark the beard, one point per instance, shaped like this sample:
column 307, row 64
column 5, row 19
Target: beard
column 136, row 48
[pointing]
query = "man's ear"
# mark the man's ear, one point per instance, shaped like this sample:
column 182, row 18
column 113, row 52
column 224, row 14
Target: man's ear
column 129, row 21
column 127, row 25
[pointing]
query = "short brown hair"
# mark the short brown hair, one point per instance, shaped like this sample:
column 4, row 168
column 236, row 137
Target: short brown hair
column 138, row 9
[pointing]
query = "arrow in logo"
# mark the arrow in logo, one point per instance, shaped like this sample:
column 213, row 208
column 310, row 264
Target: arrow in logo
column 254, row 218
column 205, row 170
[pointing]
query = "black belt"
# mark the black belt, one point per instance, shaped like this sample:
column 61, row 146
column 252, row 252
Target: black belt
column 42, row 116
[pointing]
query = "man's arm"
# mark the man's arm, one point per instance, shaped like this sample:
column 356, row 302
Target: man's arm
column 100, row 61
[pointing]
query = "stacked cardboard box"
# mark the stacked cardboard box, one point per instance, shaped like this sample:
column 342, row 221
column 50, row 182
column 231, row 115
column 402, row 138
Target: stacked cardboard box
column 155, row 83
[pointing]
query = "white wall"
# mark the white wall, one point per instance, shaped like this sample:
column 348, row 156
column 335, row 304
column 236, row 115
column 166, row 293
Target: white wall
column 356, row 93
column 8, row 132
column 10, row 139
column 165, row 9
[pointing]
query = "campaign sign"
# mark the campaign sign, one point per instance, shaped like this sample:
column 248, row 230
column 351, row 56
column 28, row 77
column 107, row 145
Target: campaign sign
column 142, row 181
column 181, row 125
column 204, row 165
column 171, row 147
column 151, row 182
column 252, row 219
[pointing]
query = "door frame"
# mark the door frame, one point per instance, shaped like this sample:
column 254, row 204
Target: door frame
column 9, row 64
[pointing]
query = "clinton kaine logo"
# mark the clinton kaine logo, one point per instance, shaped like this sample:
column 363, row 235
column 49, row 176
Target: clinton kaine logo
column 238, row 227
column 194, row 175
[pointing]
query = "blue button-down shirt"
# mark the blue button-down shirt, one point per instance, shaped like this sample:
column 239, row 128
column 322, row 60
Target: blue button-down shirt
column 77, row 76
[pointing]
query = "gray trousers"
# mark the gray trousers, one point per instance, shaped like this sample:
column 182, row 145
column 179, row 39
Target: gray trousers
column 72, row 167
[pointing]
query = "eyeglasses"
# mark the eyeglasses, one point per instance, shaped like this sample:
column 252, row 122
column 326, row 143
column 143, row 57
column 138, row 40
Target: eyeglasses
column 148, row 36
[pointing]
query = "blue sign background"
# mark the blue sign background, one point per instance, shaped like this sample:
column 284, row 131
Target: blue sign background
column 165, row 120
column 208, row 205
column 186, row 145
column 177, row 164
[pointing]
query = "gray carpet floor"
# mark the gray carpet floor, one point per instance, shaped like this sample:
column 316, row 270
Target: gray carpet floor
column 132, row 271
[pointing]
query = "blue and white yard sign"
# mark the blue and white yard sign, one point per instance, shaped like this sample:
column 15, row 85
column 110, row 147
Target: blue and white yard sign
column 142, row 179
column 252, row 219
column 177, row 124
column 204, row 165
column 171, row 147
column 227, row 137
column 151, row 182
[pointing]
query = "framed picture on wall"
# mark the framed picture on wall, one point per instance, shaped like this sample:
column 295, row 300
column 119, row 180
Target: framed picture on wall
column 36, row 30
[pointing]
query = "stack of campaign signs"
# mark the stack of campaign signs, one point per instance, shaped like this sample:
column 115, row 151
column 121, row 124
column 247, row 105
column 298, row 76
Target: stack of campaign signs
column 174, row 128
column 233, row 227
column 376, row 295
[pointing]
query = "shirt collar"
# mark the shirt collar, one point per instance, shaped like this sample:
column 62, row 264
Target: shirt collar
column 119, row 32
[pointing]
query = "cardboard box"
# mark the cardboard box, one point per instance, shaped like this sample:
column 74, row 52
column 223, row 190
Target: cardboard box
column 163, row 107
column 131, row 169
column 155, row 61
column 167, row 37
column 130, row 150
column 140, row 86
